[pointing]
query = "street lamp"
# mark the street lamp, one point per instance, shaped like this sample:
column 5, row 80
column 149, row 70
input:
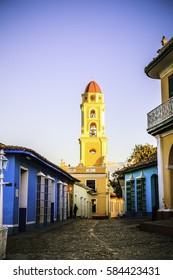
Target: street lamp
column 3, row 166
column 3, row 229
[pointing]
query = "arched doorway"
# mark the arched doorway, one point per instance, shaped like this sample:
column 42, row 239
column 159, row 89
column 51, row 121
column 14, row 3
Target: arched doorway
column 170, row 167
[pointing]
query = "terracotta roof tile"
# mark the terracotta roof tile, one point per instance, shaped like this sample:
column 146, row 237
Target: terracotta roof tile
column 92, row 87
column 24, row 149
column 151, row 160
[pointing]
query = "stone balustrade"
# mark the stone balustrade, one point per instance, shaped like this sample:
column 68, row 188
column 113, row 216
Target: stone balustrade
column 160, row 113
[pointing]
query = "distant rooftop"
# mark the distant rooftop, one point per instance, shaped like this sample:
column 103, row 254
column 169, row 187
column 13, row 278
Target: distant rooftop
column 149, row 161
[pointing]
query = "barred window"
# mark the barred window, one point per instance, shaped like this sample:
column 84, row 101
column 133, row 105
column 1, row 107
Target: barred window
column 91, row 184
column 130, row 195
column 141, row 194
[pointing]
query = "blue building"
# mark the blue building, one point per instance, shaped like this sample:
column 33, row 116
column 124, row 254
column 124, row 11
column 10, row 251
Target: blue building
column 141, row 187
column 38, row 194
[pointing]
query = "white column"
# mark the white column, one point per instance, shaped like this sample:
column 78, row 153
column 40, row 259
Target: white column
column 81, row 206
column 160, row 170
column 85, row 214
column 49, row 185
column 60, row 200
column 64, row 201
column 107, row 201
column 53, row 197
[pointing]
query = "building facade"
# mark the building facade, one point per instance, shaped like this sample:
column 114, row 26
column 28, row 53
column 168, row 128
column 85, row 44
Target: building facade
column 116, row 206
column 160, row 124
column 141, row 187
column 91, row 170
column 82, row 198
column 39, row 190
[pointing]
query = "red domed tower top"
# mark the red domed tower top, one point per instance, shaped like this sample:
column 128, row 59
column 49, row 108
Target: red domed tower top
column 93, row 87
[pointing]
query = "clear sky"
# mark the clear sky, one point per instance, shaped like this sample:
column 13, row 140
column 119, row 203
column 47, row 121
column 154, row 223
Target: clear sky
column 51, row 49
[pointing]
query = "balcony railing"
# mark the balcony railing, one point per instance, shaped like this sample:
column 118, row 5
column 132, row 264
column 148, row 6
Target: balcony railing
column 160, row 113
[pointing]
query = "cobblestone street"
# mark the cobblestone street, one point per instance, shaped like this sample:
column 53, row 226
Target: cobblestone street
column 84, row 239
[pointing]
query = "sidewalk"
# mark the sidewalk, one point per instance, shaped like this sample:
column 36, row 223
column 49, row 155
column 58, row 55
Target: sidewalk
column 164, row 227
column 30, row 235
column 39, row 230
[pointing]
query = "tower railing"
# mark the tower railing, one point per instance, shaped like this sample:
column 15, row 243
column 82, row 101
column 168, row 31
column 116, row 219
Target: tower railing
column 160, row 113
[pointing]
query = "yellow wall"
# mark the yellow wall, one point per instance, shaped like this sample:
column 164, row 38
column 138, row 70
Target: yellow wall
column 92, row 159
column 101, row 183
column 167, row 142
column 167, row 172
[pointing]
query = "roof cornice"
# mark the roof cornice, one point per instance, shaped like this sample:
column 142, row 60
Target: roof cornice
column 157, row 62
column 31, row 153
column 143, row 164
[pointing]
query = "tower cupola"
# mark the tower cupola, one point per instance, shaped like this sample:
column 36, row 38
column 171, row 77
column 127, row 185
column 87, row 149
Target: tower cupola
column 92, row 87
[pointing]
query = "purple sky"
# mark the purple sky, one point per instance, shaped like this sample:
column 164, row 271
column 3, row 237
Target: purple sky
column 51, row 49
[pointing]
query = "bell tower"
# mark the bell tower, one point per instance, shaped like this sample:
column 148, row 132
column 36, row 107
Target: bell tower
column 92, row 171
column 93, row 143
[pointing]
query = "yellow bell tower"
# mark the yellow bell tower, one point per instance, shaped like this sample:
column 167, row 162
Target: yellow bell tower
column 92, row 171
column 93, row 143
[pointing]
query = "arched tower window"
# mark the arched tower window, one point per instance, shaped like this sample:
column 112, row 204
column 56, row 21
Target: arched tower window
column 92, row 98
column 92, row 114
column 93, row 130
column 92, row 151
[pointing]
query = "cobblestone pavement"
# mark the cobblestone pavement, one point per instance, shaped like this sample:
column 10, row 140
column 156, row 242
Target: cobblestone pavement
column 84, row 239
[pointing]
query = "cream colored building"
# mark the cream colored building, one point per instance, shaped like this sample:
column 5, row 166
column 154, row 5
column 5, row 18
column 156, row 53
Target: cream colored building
column 160, row 124
column 82, row 198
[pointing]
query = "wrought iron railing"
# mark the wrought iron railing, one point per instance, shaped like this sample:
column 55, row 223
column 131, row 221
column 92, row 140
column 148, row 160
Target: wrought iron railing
column 160, row 113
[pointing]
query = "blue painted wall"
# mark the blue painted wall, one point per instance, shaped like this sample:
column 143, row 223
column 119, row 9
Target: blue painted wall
column 147, row 172
column 11, row 194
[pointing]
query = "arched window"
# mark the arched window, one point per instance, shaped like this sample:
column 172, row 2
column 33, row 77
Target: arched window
column 92, row 151
column 93, row 130
column 92, row 98
column 92, row 114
